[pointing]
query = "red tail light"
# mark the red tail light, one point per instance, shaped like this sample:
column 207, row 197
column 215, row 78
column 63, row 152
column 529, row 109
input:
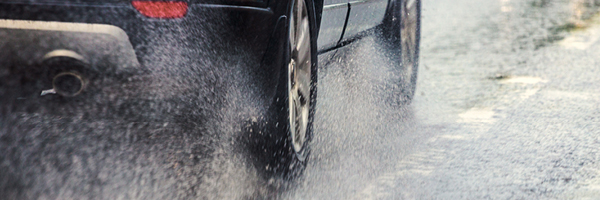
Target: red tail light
column 161, row 9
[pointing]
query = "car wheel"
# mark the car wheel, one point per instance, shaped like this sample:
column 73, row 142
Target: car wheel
column 299, row 79
column 402, row 29
column 287, row 147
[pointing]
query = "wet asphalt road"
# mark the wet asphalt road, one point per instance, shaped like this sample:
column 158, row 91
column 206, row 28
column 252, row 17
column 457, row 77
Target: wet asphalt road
column 506, row 108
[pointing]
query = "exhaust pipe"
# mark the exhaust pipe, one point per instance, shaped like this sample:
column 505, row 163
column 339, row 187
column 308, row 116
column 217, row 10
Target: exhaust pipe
column 68, row 84
column 68, row 73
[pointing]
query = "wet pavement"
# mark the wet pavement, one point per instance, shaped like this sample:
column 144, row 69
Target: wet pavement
column 505, row 108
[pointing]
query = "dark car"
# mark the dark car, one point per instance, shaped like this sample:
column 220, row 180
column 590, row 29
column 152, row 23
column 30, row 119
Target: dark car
column 60, row 57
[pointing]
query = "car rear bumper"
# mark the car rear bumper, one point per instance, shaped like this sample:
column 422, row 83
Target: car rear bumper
column 31, row 41
column 116, row 37
column 251, row 25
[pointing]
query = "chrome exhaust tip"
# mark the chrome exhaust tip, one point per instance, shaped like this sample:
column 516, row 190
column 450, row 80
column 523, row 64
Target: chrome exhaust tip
column 68, row 84
column 67, row 72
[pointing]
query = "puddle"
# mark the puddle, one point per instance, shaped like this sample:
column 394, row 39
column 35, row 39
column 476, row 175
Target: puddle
column 522, row 80
column 582, row 39
column 477, row 115
column 583, row 33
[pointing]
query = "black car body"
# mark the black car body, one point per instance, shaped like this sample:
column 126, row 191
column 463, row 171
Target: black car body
column 252, row 23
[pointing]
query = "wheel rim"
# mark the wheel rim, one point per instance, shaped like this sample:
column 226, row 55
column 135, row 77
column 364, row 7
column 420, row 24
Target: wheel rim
column 408, row 34
column 299, row 74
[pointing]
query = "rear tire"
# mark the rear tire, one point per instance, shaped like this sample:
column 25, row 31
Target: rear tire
column 401, row 30
column 295, row 100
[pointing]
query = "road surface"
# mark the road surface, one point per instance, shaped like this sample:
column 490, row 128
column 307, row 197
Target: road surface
column 506, row 107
